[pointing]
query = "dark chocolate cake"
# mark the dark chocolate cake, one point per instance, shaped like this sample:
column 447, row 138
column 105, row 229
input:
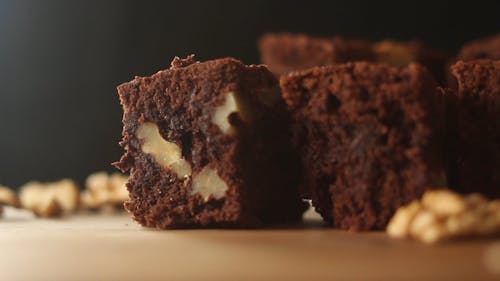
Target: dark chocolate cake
column 207, row 145
column 369, row 136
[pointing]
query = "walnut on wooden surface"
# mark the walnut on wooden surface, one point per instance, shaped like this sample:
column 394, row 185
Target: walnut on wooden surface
column 49, row 209
column 103, row 191
column 50, row 199
column 443, row 215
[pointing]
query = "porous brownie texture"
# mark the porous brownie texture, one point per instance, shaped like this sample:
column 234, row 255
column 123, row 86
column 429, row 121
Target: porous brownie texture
column 473, row 125
column 207, row 145
column 369, row 136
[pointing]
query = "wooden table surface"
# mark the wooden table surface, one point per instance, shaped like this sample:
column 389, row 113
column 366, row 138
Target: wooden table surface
column 112, row 247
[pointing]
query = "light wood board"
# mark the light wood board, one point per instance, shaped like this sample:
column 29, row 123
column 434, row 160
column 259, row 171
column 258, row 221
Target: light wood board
column 112, row 247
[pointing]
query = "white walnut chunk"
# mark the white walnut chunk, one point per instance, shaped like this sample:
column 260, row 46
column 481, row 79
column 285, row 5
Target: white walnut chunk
column 222, row 112
column 207, row 183
column 165, row 153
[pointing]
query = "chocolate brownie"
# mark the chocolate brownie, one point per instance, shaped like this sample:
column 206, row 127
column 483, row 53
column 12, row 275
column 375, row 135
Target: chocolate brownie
column 474, row 128
column 207, row 145
column 369, row 136
column 402, row 53
column 285, row 52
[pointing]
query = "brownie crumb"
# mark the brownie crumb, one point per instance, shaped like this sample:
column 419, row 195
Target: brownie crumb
column 178, row 62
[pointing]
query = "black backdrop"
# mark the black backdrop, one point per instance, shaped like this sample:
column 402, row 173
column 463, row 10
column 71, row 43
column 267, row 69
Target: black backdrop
column 60, row 61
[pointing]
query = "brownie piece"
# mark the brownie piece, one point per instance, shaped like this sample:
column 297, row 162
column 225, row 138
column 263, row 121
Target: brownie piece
column 286, row 52
column 402, row 53
column 474, row 128
column 369, row 138
column 207, row 145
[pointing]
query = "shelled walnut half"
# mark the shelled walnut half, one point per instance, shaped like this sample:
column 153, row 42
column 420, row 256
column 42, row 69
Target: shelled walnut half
column 443, row 215
column 50, row 199
column 103, row 190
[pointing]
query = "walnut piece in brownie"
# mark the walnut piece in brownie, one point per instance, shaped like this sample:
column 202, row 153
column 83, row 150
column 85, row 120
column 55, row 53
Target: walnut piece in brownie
column 369, row 138
column 473, row 122
column 286, row 52
column 208, row 145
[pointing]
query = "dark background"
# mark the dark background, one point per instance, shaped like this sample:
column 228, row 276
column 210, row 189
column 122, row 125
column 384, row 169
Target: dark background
column 60, row 61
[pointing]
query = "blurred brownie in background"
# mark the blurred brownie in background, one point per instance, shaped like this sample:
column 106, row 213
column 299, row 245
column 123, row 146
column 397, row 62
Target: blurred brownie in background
column 484, row 48
column 402, row 53
column 285, row 52
column 207, row 144
column 369, row 136
column 473, row 125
